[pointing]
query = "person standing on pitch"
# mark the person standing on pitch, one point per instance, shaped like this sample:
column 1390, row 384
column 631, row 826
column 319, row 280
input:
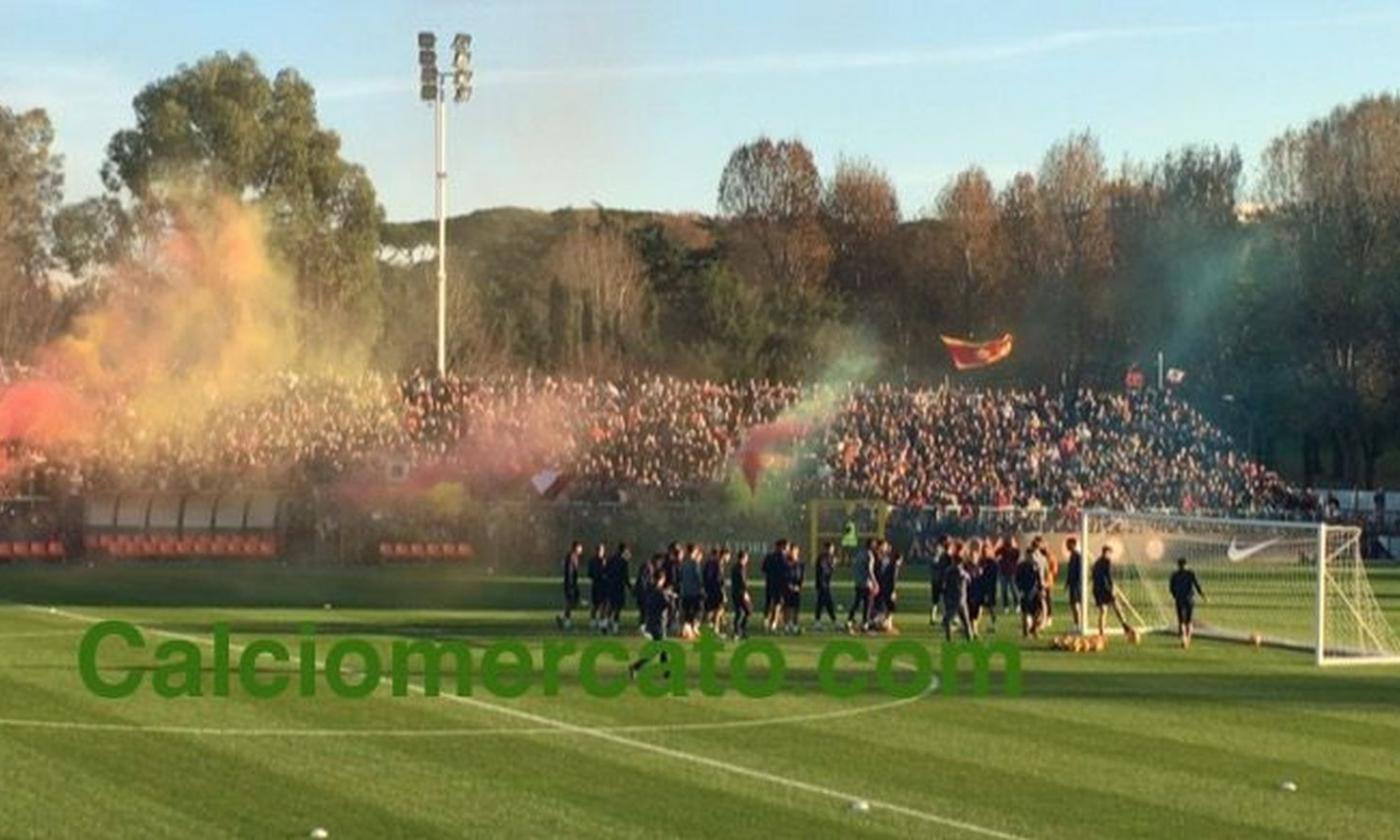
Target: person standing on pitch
column 739, row 595
column 1008, row 558
column 956, row 581
column 942, row 559
column 616, row 584
column 774, row 569
column 565, row 620
column 825, row 568
column 1184, row 587
column 712, row 574
column 1105, row 593
column 692, row 586
column 598, row 598
column 863, row 576
column 792, row 591
column 1029, row 583
column 658, row 608
column 1074, row 582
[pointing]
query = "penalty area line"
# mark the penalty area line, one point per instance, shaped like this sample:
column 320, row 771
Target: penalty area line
column 616, row 739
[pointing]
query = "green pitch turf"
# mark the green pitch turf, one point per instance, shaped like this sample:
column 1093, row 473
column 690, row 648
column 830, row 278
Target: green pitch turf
column 1145, row 741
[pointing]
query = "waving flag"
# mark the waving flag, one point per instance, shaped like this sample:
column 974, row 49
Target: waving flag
column 968, row 355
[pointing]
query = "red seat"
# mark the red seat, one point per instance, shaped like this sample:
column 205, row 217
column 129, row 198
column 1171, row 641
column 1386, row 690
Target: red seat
column 20, row 548
column 267, row 547
column 386, row 549
column 6, row 550
column 91, row 542
column 464, row 550
column 55, row 548
column 434, row 550
column 218, row 544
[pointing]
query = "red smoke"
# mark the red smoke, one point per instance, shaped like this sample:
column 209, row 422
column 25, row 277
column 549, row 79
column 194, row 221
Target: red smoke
column 759, row 444
column 41, row 413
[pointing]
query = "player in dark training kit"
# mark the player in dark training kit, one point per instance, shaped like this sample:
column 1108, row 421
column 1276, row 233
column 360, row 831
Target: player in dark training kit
column 712, row 576
column 739, row 595
column 657, row 607
column 597, row 598
column 774, row 569
column 1074, row 581
column 863, row 576
column 615, row 585
column 570, row 570
column 1184, row 588
column 1029, row 589
column 956, row 582
column 825, row 568
column 1105, row 593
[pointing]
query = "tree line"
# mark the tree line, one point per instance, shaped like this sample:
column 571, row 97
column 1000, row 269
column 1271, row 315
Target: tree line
column 1278, row 295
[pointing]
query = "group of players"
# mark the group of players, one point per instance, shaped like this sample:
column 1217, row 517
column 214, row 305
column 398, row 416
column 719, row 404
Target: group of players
column 692, row 581
column 681, row 590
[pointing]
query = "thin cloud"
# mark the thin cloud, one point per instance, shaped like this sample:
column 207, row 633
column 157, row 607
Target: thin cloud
column 832, row 62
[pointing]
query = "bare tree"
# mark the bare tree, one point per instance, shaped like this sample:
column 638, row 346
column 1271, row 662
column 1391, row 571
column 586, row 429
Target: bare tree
column 967, row 207
column 1076, row 244
column 771, row 194
column 862, row 211
column 31, row 187
column 602, row 280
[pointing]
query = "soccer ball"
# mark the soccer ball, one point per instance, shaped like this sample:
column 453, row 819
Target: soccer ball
column 319, row 833
column 1255, row 639
column 1288, row 786
column 860, row 806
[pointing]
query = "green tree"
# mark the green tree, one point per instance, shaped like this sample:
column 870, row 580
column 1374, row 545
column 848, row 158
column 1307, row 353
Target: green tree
column 223, row 125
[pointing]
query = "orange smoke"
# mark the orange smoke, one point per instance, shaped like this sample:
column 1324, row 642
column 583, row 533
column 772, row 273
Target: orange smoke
column 43, row 413
column 206, row 314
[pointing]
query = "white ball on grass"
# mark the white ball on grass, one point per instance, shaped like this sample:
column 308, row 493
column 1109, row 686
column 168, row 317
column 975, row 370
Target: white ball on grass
column 319, row 834
column 860, row 806
column 325, row 606
column 1288, row 786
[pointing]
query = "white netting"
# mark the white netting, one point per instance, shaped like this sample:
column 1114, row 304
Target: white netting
column 1261, row 578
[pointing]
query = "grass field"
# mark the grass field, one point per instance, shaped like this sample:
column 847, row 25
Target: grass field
column 1145, row 741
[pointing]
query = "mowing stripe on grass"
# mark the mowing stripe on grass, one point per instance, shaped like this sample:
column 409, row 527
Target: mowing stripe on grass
column 612, row 737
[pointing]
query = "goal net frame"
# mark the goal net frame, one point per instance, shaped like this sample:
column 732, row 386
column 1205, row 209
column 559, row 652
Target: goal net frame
column 1347, row 625
column 871, row 526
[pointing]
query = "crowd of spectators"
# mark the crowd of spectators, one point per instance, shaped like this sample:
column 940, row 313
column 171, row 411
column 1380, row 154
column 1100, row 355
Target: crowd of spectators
column 675, row 439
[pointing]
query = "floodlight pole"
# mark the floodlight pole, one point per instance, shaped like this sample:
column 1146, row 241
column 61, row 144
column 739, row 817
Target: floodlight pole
column 433, row 88
column 440, row 117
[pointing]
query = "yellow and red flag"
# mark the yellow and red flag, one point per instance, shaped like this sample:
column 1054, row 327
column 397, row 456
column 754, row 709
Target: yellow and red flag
column 968, row 355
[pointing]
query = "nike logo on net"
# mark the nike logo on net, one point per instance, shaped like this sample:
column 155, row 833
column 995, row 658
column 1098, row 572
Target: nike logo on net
column 1236, row 554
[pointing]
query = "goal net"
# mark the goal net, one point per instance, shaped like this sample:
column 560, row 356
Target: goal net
column 1297, row 585
column 845, row 522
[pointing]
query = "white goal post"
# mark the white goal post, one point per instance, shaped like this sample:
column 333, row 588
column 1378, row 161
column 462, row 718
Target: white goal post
column 1289, row 584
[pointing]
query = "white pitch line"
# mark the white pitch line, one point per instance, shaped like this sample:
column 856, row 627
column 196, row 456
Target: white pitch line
column 37, row 723
column 620, row 740
column 38, row 634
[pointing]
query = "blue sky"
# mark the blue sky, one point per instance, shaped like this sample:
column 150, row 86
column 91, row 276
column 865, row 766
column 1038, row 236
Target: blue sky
column 638, row 104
